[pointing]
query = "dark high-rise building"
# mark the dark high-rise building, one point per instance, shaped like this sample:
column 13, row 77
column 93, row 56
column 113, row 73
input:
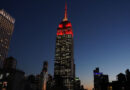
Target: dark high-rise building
column 97, row 75
column 64, row 59
column 128, row 75
column 10, row 63
column 10, row 77
column 6, row 30
column 77, row 84
column 101, row 81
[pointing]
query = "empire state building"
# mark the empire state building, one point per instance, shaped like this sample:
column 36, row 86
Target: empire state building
column 64, row 66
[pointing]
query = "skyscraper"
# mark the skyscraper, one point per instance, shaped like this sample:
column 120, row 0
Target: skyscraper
column 6, row 30
column 64, row 66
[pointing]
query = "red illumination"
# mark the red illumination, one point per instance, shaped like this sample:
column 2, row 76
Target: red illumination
column 60, row 26
column 68, row 25
column 59, row 32
column 67, row 32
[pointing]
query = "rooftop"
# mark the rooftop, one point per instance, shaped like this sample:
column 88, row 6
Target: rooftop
column 7, row 16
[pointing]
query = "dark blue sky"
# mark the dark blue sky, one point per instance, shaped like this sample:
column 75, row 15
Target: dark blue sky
column 101, row 34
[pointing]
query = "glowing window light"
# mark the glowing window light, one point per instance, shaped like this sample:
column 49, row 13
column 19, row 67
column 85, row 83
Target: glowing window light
column 97, row 73
column 5, row 84
column 69, row 32
column 60, row 26
column 59, row 32
column 68, row 25
column 1, row 76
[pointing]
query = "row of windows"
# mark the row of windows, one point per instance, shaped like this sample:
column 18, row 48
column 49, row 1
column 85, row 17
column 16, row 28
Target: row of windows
column 62, row 58
column 64, row 50
column 4, row 41
column 63, row 64
column 63, row 36
column 2, row 76
column 6, row 29
column 6, row 24
column 62, row 72
column 4, row 46
column 64, row 40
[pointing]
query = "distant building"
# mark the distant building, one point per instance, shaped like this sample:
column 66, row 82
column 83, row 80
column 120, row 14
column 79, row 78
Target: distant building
column 10, row 63
column 6, row 30
column 64, row 66
column 10, row 77
column 37, row 81
column 127, row 79
column 77, row 84
column 50, row 82
column 32, row 82
column 44, row 76
column 121, row 83
column 101, row 81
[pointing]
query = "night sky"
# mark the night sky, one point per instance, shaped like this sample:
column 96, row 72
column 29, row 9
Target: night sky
column 101, row 35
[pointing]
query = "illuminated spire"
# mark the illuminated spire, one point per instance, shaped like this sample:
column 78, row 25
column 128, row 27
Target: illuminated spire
column 65, row 16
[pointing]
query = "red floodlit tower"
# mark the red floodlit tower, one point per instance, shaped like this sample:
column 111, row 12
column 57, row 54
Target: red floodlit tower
column 64, row 61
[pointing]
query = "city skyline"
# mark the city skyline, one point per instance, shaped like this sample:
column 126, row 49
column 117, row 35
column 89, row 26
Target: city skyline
column 101, row 31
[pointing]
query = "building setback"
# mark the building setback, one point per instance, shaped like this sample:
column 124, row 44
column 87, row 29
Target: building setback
column 6, row 30
column 64, row 66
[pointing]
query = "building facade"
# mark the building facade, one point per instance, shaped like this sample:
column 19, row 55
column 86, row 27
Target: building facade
column 44, row 76
column 64, row 66
column 101, row 81
column 10, row 63
column 6, row 30
column 122, row 82
column 10, row 77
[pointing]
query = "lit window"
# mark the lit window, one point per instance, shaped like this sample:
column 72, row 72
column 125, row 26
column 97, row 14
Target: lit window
column 68, row 25
column 7, row 74
column 4, row 84
column 60, row 26
column 1, row 76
